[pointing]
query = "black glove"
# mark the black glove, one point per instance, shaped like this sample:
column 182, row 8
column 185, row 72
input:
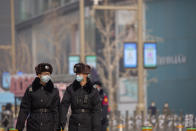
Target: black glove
column 104, row 121
column 60, row 129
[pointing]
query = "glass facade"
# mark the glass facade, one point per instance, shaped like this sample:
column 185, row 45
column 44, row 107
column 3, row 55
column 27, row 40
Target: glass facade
column 31, row 8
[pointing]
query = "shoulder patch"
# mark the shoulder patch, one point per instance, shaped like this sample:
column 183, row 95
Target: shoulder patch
column 30, row 89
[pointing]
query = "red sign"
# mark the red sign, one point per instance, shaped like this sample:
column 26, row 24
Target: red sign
column 19, row 84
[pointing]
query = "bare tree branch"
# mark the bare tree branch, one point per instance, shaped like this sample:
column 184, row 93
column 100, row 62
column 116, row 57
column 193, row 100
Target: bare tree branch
column 102, row 61
column 102, row 74
column 100, row 27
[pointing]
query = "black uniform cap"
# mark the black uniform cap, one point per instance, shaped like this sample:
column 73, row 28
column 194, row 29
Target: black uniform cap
column 82, row 68
column 43, row 67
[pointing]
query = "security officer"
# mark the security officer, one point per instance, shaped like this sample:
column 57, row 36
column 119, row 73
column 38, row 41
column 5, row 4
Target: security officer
column 104, row 105
column 40, row 103
column 84, row 101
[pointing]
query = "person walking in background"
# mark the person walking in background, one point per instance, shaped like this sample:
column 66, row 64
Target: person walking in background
column 152, row 108
column 104, row 105
column 166, row 111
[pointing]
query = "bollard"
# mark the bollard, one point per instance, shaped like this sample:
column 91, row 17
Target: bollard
column 147, row 128
column 13, row 129
column 120, row 127
column 126, row 121
column 2, row 129
column 191, row 129
column 107, row 129
column 180, row 127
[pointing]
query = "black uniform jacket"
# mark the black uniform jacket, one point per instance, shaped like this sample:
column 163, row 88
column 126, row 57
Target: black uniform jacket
column 85, row 107
column 40, row 106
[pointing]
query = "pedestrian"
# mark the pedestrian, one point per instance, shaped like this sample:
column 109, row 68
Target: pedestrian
column 40, row 103
column 104, row 104
column 166, row 111
column 84, row 101
column 152, row 108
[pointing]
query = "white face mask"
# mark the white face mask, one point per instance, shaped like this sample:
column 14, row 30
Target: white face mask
column 79, row 78
column 45, row 78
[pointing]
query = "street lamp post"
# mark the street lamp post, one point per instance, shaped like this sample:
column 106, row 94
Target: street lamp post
column 82, row 32
column 140, row 105
column 13, row 36
column 11, row 48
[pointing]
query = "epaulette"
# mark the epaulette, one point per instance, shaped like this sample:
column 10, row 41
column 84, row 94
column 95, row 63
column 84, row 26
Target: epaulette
column 30, row 89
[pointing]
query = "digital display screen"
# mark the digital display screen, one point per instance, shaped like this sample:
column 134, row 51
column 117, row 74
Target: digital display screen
column 150, row 55
column 6, row 80
column 130, row 55
column 91, row 60
column 72, row 61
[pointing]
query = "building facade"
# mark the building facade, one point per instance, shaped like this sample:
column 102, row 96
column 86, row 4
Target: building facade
column 172, row 23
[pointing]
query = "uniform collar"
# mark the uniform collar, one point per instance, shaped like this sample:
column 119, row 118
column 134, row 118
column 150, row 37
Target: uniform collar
column 88, row 87
column 36, row 85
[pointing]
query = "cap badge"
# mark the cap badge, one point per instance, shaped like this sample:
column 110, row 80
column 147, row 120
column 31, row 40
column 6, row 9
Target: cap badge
column 46, row 67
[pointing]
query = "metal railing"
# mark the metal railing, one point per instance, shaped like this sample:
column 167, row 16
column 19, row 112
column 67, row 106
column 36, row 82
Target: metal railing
column 159, row 122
